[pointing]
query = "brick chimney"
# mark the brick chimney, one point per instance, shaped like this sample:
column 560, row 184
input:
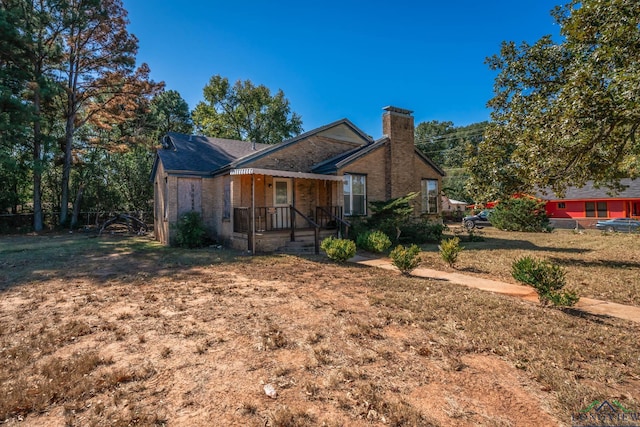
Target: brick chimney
column 397, row 125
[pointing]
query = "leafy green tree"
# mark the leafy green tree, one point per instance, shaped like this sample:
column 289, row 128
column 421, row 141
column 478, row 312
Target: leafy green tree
column 68, row 78
column 569, row 112
column 99, row 62
column 170, row 113
column 42, row 53
column 245, row 112
column 15, row 114
column 520, row 214
column 113, row 153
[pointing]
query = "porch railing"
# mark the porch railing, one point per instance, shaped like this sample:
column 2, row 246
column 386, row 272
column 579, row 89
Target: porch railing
column 267, row 219
column 285, row 218
column 311, row 222
column 330, row 217
column 279, row 218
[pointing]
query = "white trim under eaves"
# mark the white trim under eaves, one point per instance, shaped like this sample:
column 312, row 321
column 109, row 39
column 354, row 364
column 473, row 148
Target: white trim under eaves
column 284, row 174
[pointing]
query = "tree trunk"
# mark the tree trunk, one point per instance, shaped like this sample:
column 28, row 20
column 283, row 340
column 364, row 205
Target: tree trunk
column 76, row 207
column 66, row 168
column 37, row 165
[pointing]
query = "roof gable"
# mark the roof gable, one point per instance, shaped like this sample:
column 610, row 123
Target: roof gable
column 342, row 130
column 345, row 131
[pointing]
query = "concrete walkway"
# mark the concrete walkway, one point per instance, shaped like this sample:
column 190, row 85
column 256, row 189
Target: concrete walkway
column 588, row 305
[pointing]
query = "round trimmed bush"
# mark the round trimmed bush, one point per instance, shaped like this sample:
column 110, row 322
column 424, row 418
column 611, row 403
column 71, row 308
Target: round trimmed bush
column 374, row 241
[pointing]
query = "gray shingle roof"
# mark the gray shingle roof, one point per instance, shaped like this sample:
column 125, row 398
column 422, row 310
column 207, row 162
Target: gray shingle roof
column 589, row 191
column 201, row 155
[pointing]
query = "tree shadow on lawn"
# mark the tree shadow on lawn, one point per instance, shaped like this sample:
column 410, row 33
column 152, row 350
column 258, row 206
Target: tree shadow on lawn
column 472, row 270
column 111, row 259
column 606, row 263
column 600, row 319
column 488, row 243
column 102, row 259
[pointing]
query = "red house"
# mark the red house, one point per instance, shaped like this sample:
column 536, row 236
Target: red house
column 588, row 204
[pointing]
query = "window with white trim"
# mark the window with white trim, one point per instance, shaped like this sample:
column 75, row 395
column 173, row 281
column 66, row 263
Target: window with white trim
column 429, row 191
column 355, row 194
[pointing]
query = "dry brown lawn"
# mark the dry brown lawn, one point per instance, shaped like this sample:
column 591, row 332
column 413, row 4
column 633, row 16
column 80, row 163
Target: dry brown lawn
column 116, row 331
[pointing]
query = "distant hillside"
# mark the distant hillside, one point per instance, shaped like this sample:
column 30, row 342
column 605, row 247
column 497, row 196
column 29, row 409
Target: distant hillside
column 449, row 147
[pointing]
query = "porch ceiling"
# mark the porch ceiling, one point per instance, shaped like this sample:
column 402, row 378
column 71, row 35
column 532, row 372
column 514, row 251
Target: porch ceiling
column 285, row 174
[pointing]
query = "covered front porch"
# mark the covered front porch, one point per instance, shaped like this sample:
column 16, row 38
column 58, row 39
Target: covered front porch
column 275, row 209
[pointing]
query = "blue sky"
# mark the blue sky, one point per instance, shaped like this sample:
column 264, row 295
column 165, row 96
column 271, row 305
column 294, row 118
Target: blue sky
column 336, row 59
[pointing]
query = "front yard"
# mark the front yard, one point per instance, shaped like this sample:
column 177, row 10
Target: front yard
column 599, row 265
column 115, row 331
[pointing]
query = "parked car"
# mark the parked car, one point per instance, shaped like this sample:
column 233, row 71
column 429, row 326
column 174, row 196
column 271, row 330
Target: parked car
column 619, row 224
column 478, row 220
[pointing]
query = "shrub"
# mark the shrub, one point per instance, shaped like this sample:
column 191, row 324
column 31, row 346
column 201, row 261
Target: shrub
column 190, row 231
column 547, row 278
column 358, row 226
column 388, row 216
column 405, row 259
column 421, row 232
column 449, row 250
column 338, row 249
column 522, row 214
column 373, row 241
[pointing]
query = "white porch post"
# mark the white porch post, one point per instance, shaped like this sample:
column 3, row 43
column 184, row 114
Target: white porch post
column 253, row 214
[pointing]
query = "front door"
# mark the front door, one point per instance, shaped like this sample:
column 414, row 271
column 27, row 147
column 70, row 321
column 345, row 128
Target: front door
column 282, row 199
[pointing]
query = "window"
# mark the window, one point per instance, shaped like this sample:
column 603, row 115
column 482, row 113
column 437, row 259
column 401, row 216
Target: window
column 602, row 209
column 429, row 191
column 355, row 194
column 562, row 205
column 281, row 192
column 593, row 209
column 165, row 198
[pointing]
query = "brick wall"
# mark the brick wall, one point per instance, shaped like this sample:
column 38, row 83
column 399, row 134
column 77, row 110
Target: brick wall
column 394, row 169
column 397, row 124
column 373, row 166
column 302, row 155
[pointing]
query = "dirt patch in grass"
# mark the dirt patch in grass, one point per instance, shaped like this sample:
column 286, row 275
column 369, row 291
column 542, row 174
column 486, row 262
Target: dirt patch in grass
column 173, row 337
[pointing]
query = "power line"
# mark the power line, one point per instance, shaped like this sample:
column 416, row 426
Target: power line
column 448, row 137
column 444, row 150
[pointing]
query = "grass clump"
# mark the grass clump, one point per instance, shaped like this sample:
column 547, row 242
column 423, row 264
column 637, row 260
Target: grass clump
column 449, row 250
column 405, row 259
column 373, row 241
column 338, row 249
column 547, row 278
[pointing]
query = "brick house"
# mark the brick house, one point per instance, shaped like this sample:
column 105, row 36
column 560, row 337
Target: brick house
column 261, row 198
